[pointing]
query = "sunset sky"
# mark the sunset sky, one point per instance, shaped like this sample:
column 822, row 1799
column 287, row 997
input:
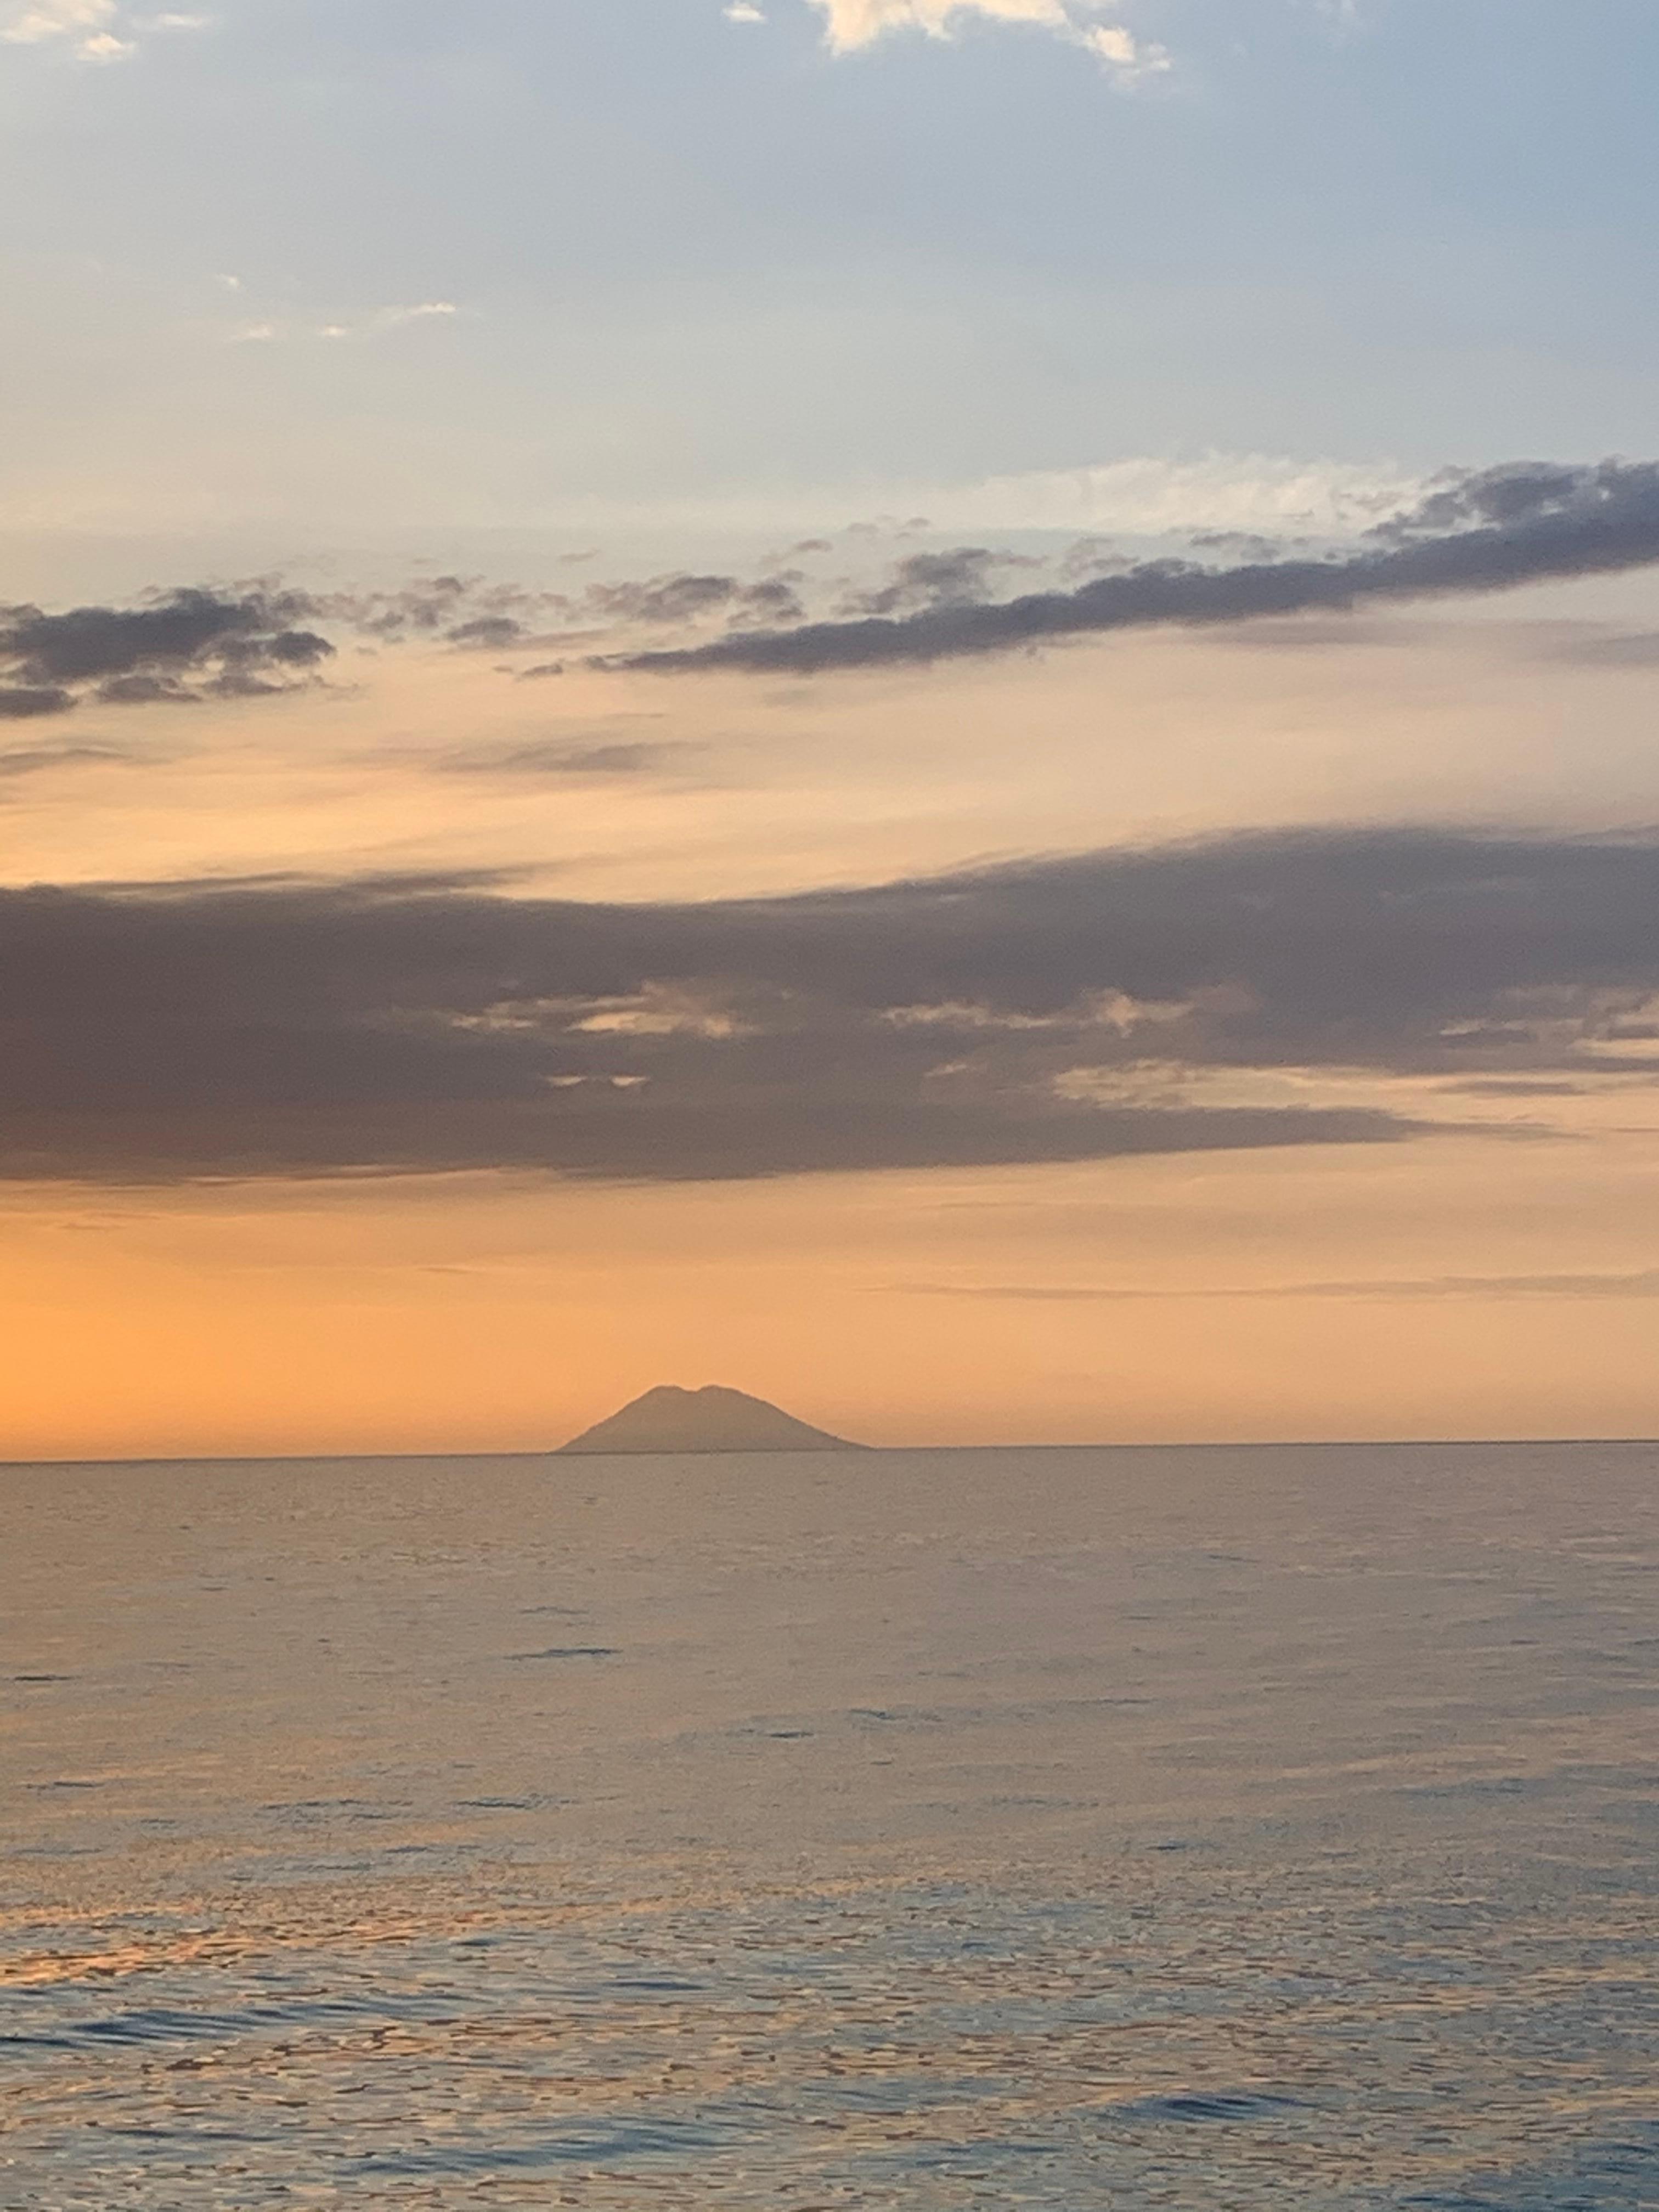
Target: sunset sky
column 946, row 711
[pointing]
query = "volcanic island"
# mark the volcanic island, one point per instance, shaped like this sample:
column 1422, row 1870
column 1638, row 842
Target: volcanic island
column 712, row 1420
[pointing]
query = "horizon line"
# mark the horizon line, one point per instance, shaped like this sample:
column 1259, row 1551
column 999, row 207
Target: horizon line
column 561, row 1451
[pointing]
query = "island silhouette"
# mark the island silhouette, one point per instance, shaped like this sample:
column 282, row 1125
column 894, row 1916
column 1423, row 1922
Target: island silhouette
column 712, row 1420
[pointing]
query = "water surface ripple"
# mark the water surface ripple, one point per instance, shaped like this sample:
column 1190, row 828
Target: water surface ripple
column 1215, row 1829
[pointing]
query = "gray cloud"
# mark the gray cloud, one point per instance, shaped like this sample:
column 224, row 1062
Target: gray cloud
column 1059, row 1010
column 773, row 599
column 180, row 646
column 673, row 599
column 559, row 757
column 473, row 614
column 1639, row 1282
column 491, row 632
column 18, row 761
column 670, row 601
column 1637, row 649
column 1471, row 533
column 1517, row 524
column 960, row 576
column 424, row 608
column 26, row 702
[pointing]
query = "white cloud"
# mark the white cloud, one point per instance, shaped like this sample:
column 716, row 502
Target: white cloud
column 98, row 30
column 389, row 317
column 382, row 319
column 1139, row 500
column 1154, row 496
column 1125, row 57
column 744, row 11
column 33, row 22
column 853, row 23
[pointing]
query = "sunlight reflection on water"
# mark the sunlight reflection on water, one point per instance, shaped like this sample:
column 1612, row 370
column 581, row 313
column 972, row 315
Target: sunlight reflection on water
column 934, row 1830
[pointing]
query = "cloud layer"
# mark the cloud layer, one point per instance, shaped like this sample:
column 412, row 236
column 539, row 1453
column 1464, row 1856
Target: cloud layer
column 1062, row 1010
column 1524, row 523
column 1521, row 524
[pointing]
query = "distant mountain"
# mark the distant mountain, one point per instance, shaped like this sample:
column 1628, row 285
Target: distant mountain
column 668, row 1419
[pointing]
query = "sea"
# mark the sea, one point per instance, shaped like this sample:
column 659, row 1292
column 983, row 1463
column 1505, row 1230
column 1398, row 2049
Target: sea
column 1225, row 1828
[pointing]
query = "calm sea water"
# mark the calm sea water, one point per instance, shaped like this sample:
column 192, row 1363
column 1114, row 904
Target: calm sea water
column 1073, row 1829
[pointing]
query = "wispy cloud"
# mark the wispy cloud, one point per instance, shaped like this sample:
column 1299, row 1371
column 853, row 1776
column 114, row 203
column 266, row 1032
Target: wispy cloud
column 1153, row 495
column 425, row 311
column 19, row 761
column 606, row 759
column 1637, row 1283
column 471, row 614
column 265, row 331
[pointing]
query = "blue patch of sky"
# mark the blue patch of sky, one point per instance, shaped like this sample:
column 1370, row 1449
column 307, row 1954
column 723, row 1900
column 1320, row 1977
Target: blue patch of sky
column 1424, row 229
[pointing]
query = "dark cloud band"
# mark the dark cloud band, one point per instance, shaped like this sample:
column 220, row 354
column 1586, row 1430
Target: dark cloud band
column 1518, row 525
column 1063, row 1010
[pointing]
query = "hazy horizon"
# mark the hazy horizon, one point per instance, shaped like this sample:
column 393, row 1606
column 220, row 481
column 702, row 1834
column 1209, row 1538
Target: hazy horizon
column 1010, row 1446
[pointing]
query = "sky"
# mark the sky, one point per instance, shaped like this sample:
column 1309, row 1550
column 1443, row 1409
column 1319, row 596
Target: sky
column 946, row 711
